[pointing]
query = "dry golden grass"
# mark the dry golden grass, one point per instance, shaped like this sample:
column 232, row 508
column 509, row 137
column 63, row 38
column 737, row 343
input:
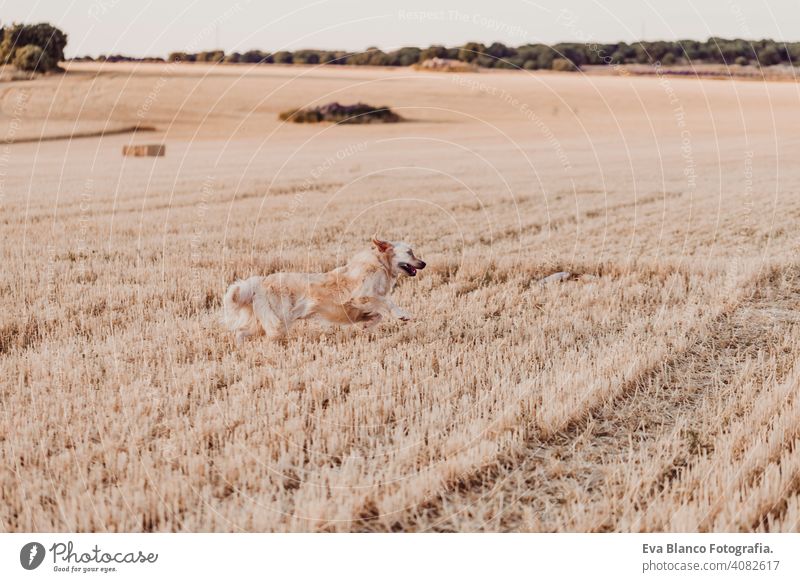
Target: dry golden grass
column 658, row 395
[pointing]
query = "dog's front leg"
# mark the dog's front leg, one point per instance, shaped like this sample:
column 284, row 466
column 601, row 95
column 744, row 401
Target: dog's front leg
column 383, row 305
column 398, row 312
column 373, row 320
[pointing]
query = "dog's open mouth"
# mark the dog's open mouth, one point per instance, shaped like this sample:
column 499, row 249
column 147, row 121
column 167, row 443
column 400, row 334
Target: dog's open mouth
column 411, row 271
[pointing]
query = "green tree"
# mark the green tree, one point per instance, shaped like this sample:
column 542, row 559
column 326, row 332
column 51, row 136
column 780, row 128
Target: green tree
column 216, row 56
column 283, row 57
column 560, row 64
column 470, row 52
column 305, row 57
column 405, row 57
column 255, row 56
column 768, row 55
column 379, row 59
column 435, row 51
column 500, row 51
column 576, row 53
column 668, row 59
column 362, row 58
column 47, row 37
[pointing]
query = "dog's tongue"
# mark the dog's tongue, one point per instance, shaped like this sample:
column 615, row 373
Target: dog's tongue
column 413, row 270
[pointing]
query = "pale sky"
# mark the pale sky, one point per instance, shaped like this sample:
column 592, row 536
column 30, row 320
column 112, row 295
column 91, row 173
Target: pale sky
column 157, row 27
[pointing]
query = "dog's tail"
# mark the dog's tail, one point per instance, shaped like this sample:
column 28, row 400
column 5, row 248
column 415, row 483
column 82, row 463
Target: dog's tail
column 237, row 305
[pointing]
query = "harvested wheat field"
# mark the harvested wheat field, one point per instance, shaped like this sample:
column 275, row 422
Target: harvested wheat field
column 655, row 390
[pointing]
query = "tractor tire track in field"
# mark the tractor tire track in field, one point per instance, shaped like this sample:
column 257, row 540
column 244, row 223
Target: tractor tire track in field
column 580, row 479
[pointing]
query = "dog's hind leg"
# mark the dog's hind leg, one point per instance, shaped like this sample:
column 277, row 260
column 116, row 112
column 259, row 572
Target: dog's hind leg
column 268, row 309
column 238, row 315
column 243, row 334
column 248, row 325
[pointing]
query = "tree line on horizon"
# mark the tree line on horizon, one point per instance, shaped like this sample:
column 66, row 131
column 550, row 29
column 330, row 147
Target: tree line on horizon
column 40, row 47
column 561, row 56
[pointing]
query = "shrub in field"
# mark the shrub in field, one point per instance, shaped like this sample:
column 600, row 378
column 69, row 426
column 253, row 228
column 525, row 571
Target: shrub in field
column 338, row 113
column 49, row 39
column 31, row 58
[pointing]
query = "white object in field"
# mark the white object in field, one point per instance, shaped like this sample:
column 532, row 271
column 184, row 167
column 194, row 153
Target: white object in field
column 140, row 151
column 556, row 277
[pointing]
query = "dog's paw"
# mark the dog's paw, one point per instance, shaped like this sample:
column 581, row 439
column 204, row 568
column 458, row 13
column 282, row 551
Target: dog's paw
column 372, row 320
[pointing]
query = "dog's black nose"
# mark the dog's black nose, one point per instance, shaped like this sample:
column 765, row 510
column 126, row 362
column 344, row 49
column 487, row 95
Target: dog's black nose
column 421, row 265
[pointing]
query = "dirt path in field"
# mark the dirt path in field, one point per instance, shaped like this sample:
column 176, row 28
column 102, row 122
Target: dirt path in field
column 603, row 473
column 84, row 134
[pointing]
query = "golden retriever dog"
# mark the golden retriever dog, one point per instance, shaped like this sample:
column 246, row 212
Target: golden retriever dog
column 356, row 293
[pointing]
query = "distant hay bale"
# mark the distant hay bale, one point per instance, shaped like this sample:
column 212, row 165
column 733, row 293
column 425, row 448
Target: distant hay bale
column 338, row 113
column 142, row 151
column 440, row 65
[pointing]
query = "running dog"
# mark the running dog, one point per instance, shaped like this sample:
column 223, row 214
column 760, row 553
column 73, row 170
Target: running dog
column 356, row 293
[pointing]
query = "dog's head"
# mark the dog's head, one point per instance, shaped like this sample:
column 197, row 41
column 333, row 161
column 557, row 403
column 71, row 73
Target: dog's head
column 399, row 256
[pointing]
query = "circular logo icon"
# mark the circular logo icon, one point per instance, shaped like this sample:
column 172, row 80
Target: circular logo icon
column 31, row 555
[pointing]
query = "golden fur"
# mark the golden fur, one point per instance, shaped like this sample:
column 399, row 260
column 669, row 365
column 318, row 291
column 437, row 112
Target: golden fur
column 356, row 293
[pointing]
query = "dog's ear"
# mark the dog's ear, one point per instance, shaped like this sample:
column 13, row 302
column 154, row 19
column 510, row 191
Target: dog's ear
column 381, row 245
